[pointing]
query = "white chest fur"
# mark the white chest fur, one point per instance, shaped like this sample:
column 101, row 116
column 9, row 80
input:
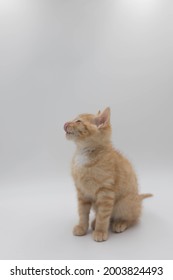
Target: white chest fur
column 80, row 159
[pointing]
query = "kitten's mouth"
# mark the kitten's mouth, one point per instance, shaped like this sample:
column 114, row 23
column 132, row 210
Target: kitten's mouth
column 66, row 128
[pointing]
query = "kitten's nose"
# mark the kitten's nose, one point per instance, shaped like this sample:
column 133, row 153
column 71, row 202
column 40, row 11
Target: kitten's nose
column 65, row 126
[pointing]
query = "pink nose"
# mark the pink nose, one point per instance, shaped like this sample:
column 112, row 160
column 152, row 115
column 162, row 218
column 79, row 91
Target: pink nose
column 65, row 126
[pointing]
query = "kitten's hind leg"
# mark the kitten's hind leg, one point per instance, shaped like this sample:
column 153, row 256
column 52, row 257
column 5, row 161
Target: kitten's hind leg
column 119, row 226
column 126, row 213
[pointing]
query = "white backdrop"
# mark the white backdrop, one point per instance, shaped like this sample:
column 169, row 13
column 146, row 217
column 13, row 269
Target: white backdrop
column 60, row 58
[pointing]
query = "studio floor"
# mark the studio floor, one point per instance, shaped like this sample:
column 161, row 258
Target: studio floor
column 37, row 220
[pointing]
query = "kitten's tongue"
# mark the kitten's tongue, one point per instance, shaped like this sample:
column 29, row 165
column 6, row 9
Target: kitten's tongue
column 65, row 126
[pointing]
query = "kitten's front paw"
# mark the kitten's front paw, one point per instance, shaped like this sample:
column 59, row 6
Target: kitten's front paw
column 79, row 230
column 100, row 236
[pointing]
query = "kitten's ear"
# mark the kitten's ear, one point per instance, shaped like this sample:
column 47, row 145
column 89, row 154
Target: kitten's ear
column 103, row 118
column 98, row 113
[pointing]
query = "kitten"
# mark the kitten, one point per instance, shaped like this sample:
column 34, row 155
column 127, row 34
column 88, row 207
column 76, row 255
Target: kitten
column 104, row 178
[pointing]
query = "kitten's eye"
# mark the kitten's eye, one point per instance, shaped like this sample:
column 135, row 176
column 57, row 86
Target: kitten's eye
column 78, row 121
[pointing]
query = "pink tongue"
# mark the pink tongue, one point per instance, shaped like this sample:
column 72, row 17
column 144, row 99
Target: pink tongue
column 65, row 126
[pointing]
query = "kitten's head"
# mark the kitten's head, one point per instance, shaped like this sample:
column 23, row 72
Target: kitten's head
column 89, row 128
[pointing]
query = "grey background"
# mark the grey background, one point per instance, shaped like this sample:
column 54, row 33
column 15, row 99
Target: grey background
column 62, row 58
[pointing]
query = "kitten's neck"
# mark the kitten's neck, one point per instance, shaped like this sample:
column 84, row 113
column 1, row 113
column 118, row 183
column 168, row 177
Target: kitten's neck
column 87, row 153
column 86, row 150
column 89, row 148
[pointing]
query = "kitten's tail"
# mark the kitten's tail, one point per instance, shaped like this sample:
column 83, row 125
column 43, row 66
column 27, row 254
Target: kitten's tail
column 145, row 195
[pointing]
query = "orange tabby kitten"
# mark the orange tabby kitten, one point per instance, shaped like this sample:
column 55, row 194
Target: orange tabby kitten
column 104, row 178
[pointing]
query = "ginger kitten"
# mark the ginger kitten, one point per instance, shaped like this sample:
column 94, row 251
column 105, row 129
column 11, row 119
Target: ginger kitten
column 104, row 178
